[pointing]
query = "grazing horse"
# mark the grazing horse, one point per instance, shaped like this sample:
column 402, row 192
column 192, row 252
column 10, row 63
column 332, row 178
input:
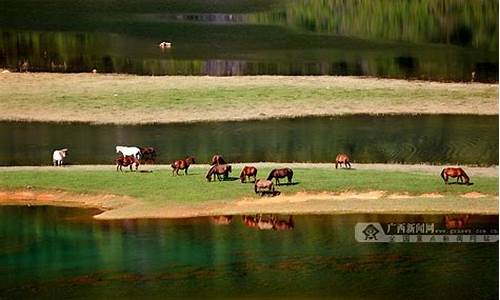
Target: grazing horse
column 264, row 187
column 281, row 173
column 125, row 161
column 182, row 164
column 130, row 151
column 282, row 224
column 456, row 223
column 218, row 170
column 58, row 157
column 217, row 160
column 248, row 172
column 459, row 173
column 148, row 154
column 342, row 158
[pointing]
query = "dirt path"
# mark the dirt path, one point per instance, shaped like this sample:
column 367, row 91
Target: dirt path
column 434, row 169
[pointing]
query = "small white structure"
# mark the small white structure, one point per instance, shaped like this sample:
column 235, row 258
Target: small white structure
column 58, row 157
column 165, row 45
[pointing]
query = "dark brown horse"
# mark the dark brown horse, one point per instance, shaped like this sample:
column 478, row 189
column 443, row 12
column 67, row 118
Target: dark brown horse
column 248, row 172
column 342, row 158
column 281, row 173
column 182, row 164
column 125, row 161
column 456, row 223
column 148, row 154
column 218, row 170
column 459, row 173
column 217, row 160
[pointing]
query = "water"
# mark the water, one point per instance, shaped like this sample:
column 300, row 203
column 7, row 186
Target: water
column 48, row 252
column 440, row 139
column 438, row 40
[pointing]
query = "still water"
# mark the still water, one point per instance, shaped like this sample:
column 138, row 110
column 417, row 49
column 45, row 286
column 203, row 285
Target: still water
column 438, row 40
column 439, row 139
column 60, row 253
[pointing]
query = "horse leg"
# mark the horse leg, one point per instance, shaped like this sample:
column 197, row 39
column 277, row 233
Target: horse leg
column 349, row 164
column 336, row 164
column 186, row 171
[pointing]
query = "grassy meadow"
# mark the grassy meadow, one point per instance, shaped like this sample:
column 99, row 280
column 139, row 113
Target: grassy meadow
column 104, row 98
column 159, row 187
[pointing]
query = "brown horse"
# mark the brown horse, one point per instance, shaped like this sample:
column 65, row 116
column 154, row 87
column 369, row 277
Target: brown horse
column 218, row 170
column 148, row 154
column 248, row 172
column 249, row 221
column 456, row 223
column 264, row 187
column 125, row 161
column 459, row 173
column 182, row 164
column 342, row 158
column 281, row 173
column 217, row 160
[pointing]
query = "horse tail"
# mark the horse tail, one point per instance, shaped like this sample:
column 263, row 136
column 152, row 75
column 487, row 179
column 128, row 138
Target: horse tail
column 271, row 175
column 442, row 174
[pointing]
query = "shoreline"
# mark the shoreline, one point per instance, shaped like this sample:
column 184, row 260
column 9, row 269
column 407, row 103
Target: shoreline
column 97, row 98
column 301, row 201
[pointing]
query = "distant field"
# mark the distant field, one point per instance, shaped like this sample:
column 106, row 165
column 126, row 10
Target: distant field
column 130, row 99
column 158, row 193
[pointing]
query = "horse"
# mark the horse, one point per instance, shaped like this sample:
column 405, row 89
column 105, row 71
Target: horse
column 342, row 158
column 248, row 172
column 282, row 224
column 125, row 161
column 182, row 164
column 218, row 170
column 459, row 173
column 58, row 157
column 165, row 45
column 264, row 187
column 217, row 160
column 281, row 173
column 265, row 224
column 130, row 151
column 456, row 223
column 148, row 154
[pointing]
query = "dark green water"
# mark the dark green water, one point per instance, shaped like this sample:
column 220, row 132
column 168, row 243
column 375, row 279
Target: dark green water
column 438, row 40
column 58, row 253
column 440, row 139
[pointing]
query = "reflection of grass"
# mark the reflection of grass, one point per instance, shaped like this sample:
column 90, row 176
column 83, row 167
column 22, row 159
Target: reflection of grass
column 160, row 188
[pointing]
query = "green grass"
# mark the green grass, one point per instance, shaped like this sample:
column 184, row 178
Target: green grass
column 160, row 187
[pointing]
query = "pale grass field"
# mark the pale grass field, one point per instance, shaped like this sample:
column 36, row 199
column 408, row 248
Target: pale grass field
column 130, row 99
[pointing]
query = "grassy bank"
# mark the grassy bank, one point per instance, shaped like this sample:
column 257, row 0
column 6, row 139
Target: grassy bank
column 324, row 189
column 142, row 99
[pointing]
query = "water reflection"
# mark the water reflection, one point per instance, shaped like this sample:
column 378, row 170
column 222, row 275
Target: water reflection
column 403, row 139
column 446, row 40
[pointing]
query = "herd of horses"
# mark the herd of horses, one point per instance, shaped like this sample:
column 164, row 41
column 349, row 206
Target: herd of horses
column 261, row 222
column 219, row 169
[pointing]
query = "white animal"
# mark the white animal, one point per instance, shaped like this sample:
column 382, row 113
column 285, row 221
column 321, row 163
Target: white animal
column 58, row 157
column 125, row 150
column 164, row 45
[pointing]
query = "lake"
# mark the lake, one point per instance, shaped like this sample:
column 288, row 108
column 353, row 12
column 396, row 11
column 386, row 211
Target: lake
column 435, row 139
column 50, row 252
column 433, row 40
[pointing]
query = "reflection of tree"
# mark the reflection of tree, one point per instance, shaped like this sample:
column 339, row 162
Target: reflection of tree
column 465, row 23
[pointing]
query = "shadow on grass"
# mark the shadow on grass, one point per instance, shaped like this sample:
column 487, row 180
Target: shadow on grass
column 461, row 183
column 288, row 183
column 269, row 193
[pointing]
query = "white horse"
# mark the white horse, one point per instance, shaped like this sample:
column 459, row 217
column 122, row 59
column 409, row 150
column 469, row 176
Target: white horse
column 58, row 157
column 133, row 151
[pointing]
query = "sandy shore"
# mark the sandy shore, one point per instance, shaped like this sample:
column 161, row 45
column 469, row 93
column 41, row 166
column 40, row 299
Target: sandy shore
column 99, row 98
